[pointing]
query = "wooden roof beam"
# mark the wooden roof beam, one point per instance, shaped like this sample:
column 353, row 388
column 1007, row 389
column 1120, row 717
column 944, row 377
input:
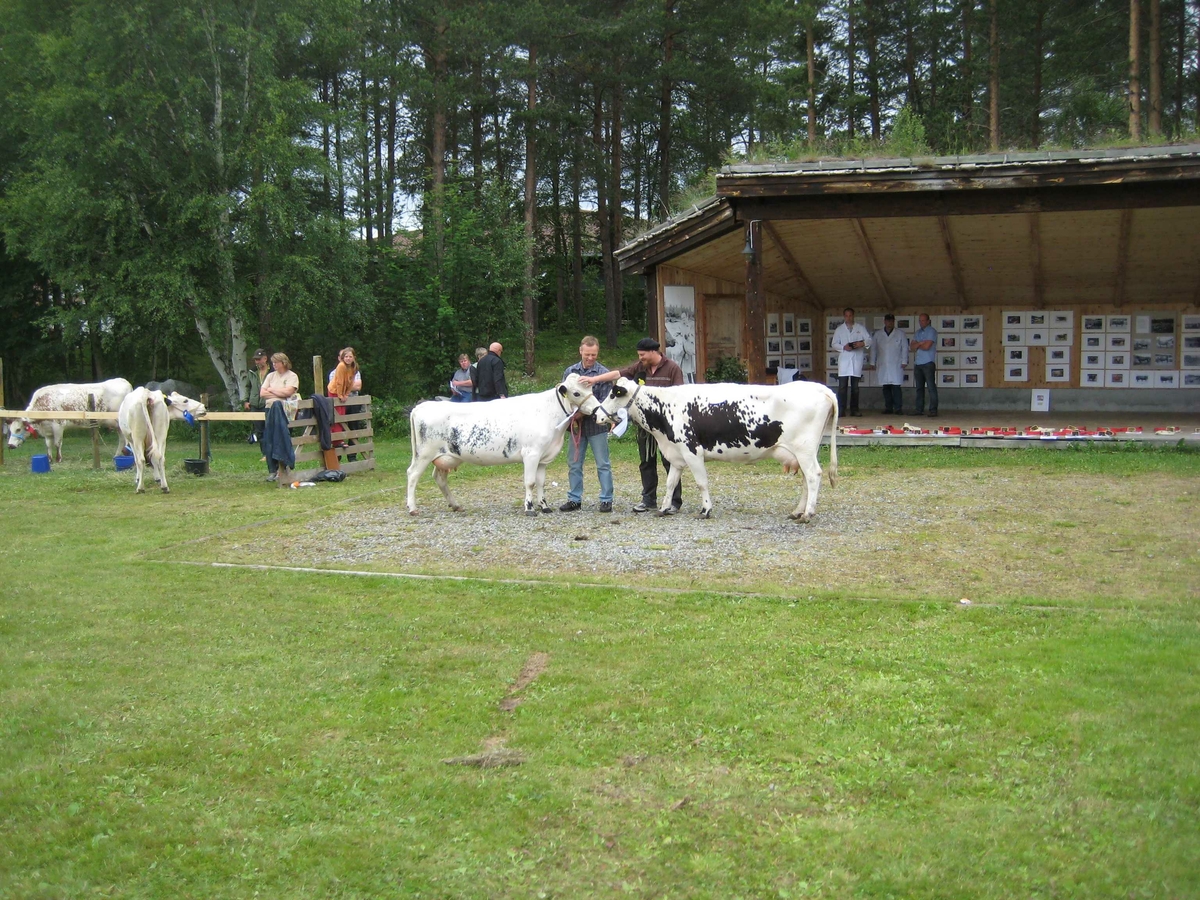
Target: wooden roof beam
column 955, row 266
column 814, row 299
column 865, row 242
column 1122, row 257
column 1035, row 259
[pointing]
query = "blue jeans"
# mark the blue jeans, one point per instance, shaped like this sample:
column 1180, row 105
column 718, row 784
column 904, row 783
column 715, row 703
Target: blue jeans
column 923, row 374
column 575, row 456
column 460, row 398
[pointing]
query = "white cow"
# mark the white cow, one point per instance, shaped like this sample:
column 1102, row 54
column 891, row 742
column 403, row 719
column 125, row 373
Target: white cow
column 735, row 422
column 528, row 429
column 143, row 418
column 68, row 398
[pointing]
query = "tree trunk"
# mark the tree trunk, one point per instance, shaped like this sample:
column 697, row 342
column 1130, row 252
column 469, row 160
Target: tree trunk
column 364, row 201
column 994, row 80
column 666, row 88
column 392, row 101
column 812, row 82
column 327, row 188
column 1135, row 68
column 873, row 70
column 577, row 227
column 851, row 53
column 337, row 146
column 604, row 226
column 530, row 304
column 477, row 127
column 1155, row 122
column 1038, row 42
column 438, row 144
column 615, row 206
column 560, row 243
column 1180, row 53
column 968, row 76
column 913, row 94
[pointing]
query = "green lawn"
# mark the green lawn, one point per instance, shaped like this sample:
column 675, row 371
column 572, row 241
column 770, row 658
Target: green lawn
column 174, row 730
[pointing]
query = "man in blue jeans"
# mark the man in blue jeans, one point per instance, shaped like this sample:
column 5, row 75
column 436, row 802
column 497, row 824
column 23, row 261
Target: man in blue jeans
column 924, row 345
column 587, row 432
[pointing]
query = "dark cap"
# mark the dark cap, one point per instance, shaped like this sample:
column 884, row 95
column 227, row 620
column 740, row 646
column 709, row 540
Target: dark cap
column 647, row 343
column 260, row 353
column 889, row 318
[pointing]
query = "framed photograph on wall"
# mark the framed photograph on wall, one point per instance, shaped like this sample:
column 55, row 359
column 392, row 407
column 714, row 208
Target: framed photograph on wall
column 1013, row 337
column 789, row 323
column 1116, row 378
column 832, row 323
column 1061, row 338
column 804, row 326
column 772, row 324
column 1142, row 344
column 948, row 341
column 1191, row 324
column 1166, row 379
column 1141, row 360
column 789, row 362
column 971, row 379
column 1093, row 342
column 948, row 361
column 773, row 363
column 804, row 363
column 970, row 361
column 1119, row 360
column 1093, row 323
column 773, row 345
column 1062, row 319
column 1014, row 320
column 1162, row 324
column 970, row 323
column 876, row 323
column 1118, row 342
column 789, row 345
column 1016, row 373
column 1117, row 324
column 1037, row 319
column 831, row 362
column 1058, row 355
column 909, row 323
column 971, row 341
column 1189, row 379
column 1140, row 379
column 1190, row 360
column 1093, row 360
column 1037, row 337
column 1091, row 378
column 1016, row 355
column 947, row 323
column 1058, row 373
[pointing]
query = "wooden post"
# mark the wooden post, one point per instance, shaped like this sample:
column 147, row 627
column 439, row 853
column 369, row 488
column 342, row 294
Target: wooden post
column 754, row 337
column 318, row 376
column 205, row 452
column 94, row 425
column 652, row 329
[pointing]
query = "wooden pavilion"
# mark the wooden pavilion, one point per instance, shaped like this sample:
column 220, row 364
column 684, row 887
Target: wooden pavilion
column 1076, row 271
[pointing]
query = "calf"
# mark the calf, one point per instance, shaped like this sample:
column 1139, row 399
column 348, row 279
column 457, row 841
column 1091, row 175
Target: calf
column 143, row 418
column 65, row 398
column 528, row 429
column 739, row 423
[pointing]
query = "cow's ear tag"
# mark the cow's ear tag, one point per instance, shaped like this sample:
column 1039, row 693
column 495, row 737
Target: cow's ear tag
column 189, row 418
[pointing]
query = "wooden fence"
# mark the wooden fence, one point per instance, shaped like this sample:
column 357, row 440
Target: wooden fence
column 358, row 443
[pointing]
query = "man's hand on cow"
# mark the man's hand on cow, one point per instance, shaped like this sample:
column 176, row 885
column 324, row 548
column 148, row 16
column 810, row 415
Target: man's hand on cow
column 586, row 380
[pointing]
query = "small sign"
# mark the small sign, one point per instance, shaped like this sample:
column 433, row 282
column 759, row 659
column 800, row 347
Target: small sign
column 1041, row 401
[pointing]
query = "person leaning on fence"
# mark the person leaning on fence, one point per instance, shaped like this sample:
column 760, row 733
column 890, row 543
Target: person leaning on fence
column 587, row 432
column 279, row 390
column 256, row 403
column 462, row 382
column 655, row 370
column 345, row 381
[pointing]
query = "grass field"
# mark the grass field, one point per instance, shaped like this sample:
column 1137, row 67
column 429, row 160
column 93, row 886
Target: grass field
column 173, row 729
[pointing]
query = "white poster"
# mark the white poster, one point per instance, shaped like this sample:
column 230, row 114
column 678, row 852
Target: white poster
column 679, row 307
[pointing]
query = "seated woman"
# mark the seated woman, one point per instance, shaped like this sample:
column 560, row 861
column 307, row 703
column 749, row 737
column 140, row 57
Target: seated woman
column 461, row 383
column 281, row 384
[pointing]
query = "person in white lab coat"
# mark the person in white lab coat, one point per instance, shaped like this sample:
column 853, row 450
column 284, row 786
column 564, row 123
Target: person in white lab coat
column 851, row 341
column 889, row 356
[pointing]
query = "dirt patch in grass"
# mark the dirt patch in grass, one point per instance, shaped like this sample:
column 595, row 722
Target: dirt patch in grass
column 534, row 666
column 989, row 534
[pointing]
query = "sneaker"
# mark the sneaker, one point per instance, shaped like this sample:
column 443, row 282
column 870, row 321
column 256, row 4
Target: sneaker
column 640, row 507
column 570, row 506
column 606, row 506
column 669, row 511
column 933, row 414
column 274, row 476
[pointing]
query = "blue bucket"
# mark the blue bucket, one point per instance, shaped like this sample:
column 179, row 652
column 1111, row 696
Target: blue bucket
column 40, row 463
column 123, row 462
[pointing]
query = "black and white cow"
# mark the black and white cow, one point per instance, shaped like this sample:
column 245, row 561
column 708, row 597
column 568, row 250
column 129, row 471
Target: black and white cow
column 107, row 397
column 738, row 423
column 528, row 429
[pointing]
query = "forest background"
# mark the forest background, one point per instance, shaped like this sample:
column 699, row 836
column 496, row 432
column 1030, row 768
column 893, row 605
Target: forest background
column 184, row 180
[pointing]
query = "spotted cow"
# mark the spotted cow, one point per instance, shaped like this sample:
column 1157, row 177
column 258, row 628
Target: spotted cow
column 735, row 422
column 143, row 419
column 65, row 398
column 528, row 429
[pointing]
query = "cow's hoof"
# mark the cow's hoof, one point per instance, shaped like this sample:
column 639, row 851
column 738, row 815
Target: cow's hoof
column 166, row 490
column 457, row 508
column 531, row 512
column 413, row 512
column 704, row 514
column 141, row 491
column 546, row 510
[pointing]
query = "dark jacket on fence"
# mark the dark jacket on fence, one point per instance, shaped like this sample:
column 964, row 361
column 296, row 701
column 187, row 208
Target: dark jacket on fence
column 323, row 413
column 277, row 438
column 489, row 378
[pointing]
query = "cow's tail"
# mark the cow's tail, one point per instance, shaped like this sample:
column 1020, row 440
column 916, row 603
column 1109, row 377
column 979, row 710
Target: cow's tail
column 143, row 410
column 832, row 421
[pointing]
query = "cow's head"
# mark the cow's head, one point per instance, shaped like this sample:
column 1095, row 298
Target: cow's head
column 574, row 395
column 181, row 407
column 621, row 396
column 18, row 430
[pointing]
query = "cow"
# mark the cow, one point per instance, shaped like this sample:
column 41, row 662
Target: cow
column 528, row 429
column 737, row 422
column 143, row 420
column 65, row 398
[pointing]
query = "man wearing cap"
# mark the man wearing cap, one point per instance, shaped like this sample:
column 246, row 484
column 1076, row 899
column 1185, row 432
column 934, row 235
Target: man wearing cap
column 262, row 367
column 655, row 370
column 889, row 356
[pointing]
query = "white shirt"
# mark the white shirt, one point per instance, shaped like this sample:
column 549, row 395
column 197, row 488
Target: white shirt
column 889, row 355
column 850, row 362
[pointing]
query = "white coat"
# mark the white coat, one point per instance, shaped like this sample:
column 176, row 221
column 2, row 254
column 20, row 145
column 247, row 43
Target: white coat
column 889, row 355
column 850, row 362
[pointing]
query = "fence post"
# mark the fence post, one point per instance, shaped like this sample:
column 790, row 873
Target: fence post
column 318, row 376
column 94, row 426
column 205, row 453
column 2, row 441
